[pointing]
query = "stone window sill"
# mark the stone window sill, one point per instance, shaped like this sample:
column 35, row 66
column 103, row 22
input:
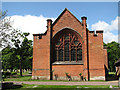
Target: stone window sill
column 67, row 63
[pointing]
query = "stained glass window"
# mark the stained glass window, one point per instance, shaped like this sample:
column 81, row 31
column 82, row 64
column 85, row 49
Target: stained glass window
column 60, row 55
column 56, row 55
column 73, row 55
column 66, row 37
column 76, row 42
column 79, row 54
column 58, row 43
column 67, row 52
column 69, row 48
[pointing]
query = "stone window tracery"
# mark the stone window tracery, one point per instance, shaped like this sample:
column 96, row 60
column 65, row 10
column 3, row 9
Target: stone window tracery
column 68, row 47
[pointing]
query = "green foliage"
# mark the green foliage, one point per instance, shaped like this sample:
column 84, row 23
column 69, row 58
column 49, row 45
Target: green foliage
column 66, row 73
column 19, row 56
column 84, row 78
column 113, row 51
column 13, row 73
column 8, row 58
column 6, row 74
column 17, row 52
column 80, row 74
column 7, row 32
column 104, row 44
column 23, row 51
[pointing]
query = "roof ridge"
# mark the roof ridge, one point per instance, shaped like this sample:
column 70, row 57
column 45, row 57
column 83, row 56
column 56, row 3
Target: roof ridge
column 63, row 13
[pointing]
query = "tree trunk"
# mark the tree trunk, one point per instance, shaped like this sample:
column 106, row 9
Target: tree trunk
column 11, row 69
column 20, row 67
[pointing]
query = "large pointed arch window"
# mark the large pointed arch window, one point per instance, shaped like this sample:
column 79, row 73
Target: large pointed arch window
column 68, row 47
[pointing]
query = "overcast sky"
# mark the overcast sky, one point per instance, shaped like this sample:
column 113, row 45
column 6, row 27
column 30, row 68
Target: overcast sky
column 31, row 17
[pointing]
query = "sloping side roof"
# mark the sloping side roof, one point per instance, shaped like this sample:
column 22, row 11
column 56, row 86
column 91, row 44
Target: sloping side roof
column 62, row 14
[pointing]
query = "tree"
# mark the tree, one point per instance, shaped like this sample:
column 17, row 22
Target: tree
column 19, row 56
column 15, row 43
column 9, row 60
column 23, row 51
column 6, row 57
column 113, row 51
column 7, row 32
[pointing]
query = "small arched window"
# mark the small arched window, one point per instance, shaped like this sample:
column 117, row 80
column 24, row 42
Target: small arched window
column 68, row 47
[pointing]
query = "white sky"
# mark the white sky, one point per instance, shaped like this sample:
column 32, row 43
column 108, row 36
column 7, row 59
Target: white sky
column 37, row 24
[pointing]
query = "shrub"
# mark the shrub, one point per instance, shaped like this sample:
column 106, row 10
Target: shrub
column 66, row 73
column 6, row 74
column 81, row 77
column 80, row 74
column 68, row 76
column 84, row 78
column 13, row 73
column 56, row 76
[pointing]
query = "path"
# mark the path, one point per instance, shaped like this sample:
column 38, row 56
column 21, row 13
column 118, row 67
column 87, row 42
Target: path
column 64, row 83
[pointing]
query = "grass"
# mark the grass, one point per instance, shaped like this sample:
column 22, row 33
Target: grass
column 29, row 78
column 19, row 78
column 23, row 86
column 113, row 73
column 64, row 86
column 24, row 73
column 55, row 87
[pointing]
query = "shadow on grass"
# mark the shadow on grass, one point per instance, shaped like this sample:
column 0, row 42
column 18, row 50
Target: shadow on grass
column 10, row 85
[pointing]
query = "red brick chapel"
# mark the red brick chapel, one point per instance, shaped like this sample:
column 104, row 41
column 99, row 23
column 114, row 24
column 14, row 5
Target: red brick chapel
column 68, row 47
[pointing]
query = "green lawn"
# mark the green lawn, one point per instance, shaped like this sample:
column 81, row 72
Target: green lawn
column 19, row 78
column 55, row 87
column 29, row 78
column 23, row 86
column 24, row 73
column 64, row 86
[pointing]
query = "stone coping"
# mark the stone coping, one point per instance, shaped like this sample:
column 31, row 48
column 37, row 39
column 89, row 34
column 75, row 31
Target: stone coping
column 67, row 63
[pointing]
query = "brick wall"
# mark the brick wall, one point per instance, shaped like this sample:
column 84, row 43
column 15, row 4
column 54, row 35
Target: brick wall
column 96, row 54
column 72, row 70
column 41, row 54
column 106, row 58
column 96, row 57
column 67, row 20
